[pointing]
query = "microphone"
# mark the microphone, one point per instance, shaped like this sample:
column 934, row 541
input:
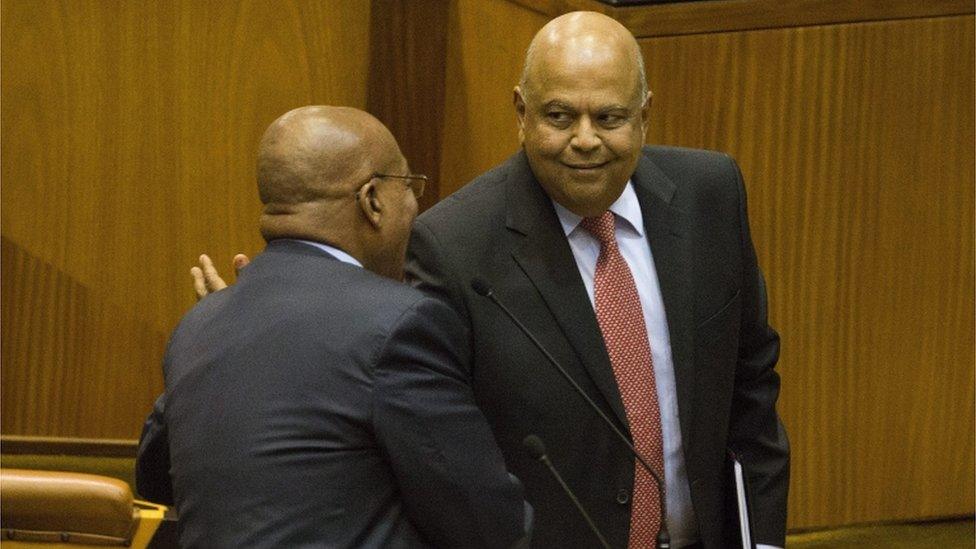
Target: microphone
column 538, row 451
column 482, row 288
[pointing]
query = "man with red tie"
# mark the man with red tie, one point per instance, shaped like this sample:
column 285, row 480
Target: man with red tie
column 635, row 268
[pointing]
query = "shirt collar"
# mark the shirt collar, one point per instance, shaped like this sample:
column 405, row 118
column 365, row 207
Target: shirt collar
column 331, row 250
column 626, row 207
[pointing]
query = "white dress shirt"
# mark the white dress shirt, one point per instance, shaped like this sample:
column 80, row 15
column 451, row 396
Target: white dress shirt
column 331, row 250
column 637, row 252
column 635, row 249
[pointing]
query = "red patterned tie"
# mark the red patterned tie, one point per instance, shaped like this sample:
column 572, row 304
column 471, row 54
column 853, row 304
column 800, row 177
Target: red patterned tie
column 618, row 311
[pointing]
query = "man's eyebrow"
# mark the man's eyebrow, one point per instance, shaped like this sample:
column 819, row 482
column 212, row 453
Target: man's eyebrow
column 560, row 104
column 557, row 104
column 615, row 107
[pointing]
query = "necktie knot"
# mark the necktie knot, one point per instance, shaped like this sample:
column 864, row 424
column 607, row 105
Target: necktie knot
column 602, row 227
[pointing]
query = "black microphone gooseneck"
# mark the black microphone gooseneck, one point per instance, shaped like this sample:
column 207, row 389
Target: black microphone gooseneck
column 482, row 288
column 538, row 451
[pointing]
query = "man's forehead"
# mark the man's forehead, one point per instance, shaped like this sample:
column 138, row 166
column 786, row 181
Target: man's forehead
column 589, row 47
column 607, row 89
column 561, row 68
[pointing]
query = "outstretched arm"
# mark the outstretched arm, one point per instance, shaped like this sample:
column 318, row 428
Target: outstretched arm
column 451, row 474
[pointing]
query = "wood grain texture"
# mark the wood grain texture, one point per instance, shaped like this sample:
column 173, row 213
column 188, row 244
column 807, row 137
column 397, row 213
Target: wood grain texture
column 553, row 8
column 729, row 15
column 485, row 48
column 857, row 146
column 856, row 141
column 72, row 362
column 408, row 40
column 129, row 135
column 128, row 141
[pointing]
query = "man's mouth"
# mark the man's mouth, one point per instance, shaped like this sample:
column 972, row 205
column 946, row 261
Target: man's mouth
column 585, row 165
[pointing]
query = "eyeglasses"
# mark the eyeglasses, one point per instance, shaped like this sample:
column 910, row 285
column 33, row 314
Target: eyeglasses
column 415, row 182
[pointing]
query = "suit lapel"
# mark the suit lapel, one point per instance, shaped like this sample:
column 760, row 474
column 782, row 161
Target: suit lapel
column 668, row 238
column 544, row 256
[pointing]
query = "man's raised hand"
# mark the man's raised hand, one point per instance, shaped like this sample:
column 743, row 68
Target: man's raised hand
column 206, row 279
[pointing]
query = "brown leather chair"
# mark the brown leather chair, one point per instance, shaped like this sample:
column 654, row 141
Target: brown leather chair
column 41, row 507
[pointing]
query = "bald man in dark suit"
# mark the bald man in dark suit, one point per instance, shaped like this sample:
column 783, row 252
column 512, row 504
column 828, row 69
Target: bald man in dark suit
column 320, row 402
column 677, row 228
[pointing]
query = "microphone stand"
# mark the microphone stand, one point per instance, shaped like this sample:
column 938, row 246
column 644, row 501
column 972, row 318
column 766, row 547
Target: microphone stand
column 482, row 288
column 538, row 451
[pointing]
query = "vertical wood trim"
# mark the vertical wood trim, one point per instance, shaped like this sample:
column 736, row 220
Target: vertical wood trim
column 408, row 48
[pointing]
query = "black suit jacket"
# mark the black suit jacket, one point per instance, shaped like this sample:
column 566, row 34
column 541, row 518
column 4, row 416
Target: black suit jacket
column 316, row 404
column 502, row 227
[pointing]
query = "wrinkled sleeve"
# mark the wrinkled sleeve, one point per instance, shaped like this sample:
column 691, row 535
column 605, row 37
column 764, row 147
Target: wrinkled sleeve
column 453, row 480
column 756, row 433
column 152, row 464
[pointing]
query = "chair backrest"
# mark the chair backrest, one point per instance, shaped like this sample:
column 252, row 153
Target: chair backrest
column 77, row 508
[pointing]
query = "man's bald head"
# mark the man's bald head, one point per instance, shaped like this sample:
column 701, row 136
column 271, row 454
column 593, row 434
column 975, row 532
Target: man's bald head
column 319, row 152
column 581, row 35
column 582, row 109
column 318, row 177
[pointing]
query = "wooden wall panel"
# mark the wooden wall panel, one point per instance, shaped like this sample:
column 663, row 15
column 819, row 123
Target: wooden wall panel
column 702, row 17
column 856, row 141
column 71, row 362
column 128, row 140
column 485, row 48
column 129, row 133
column 857, row 144
column 408, row 39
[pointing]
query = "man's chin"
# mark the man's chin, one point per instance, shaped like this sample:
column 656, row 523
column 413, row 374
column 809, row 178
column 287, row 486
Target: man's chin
column 585, row 205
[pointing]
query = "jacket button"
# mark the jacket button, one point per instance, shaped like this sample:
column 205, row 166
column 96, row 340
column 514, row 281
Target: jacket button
column 623, row 496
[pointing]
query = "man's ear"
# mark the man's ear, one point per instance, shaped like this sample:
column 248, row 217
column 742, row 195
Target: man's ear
column 369, row 204
column 519, row 103
column 646, row 113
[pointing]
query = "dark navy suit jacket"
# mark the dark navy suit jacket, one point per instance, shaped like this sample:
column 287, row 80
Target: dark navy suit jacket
column 314, row 403
column 502, row 227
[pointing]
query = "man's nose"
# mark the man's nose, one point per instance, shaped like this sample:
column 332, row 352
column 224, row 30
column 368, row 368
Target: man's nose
column 585, row 137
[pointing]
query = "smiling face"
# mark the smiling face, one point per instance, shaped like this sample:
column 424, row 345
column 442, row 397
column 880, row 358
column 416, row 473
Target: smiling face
column 582, row 117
